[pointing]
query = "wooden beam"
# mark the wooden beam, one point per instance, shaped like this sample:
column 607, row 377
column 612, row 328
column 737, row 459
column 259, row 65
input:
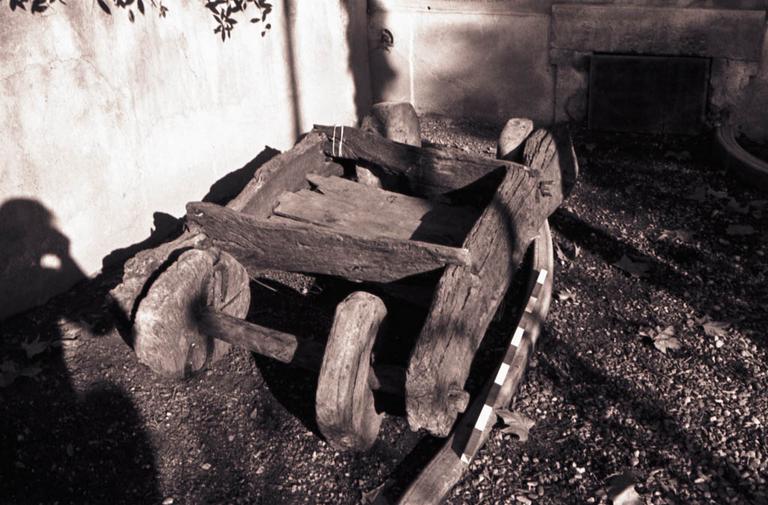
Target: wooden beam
column 429, row 171
column 264, row 244
column 467, row 297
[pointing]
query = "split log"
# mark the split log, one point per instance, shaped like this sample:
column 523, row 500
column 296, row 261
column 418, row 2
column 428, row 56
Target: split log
column 429, row 171
column 265, row 244
column 350, row 207
column 467, row 297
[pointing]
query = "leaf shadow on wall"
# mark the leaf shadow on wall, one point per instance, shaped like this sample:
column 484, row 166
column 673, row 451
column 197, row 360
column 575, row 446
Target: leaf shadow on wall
column 63, row 439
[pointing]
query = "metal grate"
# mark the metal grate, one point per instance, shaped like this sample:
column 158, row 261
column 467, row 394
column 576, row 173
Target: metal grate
column 660, row 94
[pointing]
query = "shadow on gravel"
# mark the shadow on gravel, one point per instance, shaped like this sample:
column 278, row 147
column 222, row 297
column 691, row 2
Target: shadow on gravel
column 61, row 443
column 589, row 389
column 661, row 276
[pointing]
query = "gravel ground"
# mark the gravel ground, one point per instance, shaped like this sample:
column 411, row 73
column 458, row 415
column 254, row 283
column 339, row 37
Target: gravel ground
column 651, row 367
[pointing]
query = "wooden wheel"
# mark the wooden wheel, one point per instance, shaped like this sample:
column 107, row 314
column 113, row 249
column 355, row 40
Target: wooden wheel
column 167, row 336
column 346, row 414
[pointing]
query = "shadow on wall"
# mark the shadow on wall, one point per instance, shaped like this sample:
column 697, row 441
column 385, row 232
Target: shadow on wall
column 34, row 256
column 58, row 444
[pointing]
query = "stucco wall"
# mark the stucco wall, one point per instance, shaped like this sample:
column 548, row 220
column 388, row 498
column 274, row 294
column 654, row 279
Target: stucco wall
column 494, row 59
column 105, row 121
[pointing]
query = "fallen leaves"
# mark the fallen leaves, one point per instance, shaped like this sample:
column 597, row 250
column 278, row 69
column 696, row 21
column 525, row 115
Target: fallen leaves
column 634, row 267
column 684, row 236
column 715, row 328
column 663, row 339
column 34, row 348
column 621, row 490
column 515, row 423
column 566, row 294
column 10, row 371
column 739, row 230
column 566, row 253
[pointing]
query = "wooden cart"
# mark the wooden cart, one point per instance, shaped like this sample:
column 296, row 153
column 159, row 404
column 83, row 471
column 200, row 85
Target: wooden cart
column 469, row 217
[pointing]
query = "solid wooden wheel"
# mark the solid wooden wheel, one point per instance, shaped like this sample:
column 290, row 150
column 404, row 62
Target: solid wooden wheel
column 167, row 337
column 344, row 403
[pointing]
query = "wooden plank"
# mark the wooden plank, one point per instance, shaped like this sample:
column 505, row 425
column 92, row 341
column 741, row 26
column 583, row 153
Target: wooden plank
column 260, row 244
column 429, row 171
column 284, row 172
column 467, row 297
column 350, row 216
column 446, row 468
column 350, row 207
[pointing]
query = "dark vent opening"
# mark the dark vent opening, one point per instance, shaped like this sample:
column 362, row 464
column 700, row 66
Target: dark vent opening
column 653, row 94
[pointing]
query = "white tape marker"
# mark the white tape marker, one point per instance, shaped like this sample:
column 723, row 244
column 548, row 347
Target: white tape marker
column 502, row 374
column 517, row 337
column 482, row 419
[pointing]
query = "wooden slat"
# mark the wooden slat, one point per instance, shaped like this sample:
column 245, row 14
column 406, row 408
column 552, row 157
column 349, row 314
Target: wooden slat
column 467, row 297
column 429, row 171
column 284, row 172
column 350, row 207
column 260, row 244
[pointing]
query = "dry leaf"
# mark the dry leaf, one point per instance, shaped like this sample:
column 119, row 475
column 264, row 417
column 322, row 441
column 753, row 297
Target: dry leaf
column 717, row 194
column 665, row 340
column 373, row 494
column 699, row 194
column 632, row 267
column 566, row 294
column 679, row 235
column 715, row 328
column 34, row 348
column 621, row 490
column 516, row 423
column 736, row 207
column 30, row 371
column 678, row 155
column 739, row 229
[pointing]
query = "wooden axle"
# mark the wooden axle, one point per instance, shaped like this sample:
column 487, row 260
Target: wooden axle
column 287, row 348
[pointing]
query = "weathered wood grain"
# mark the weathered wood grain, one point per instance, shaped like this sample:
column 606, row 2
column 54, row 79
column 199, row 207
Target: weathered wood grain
column 467, row 297
column 350, row 207
column 260, row 244
column 284, row 172
column 139, row 269
column 446, row 469
column 346, row 414
column 167, row 336
column 429, row 171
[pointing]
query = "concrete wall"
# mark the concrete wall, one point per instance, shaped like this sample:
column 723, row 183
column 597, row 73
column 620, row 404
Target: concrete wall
column 105, row 121
column 499, row 58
